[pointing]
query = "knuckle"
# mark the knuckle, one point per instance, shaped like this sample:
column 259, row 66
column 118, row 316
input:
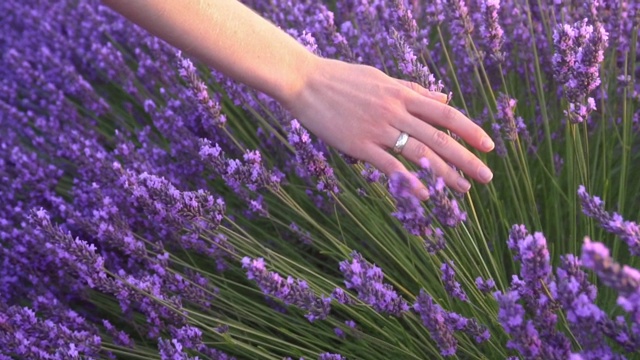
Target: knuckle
column 472, row 164
column 440, row 138
column 448, row 114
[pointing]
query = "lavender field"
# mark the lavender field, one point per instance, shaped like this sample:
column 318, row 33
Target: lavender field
column 152, row 208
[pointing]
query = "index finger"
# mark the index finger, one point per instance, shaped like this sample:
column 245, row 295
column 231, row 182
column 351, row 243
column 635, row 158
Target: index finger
column 439, row 114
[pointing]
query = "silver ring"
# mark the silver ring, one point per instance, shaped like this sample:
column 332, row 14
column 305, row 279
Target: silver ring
column 401, row 142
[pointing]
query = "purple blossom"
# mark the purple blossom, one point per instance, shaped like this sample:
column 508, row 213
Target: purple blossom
column 371, row 174
column 565, row 52
column 579, row 50
column 485, row 286
column 199, row 90
column 501, row 148
column 450, row 284
column 409, row 209
column 577, row 297
column 409, row 65
column 330, row 356
column 290, row 291
column 491, row 30
column 628, row 231
column 505, row 116
column 340, row 296
column 26, row 336
column 443, row 206
column 624, row 279
column 250, row 173
column 314, row 161
column 184, row 339
column 435, row 319
column 524, row 337
column 367, row 280
column 119, row 337
column 532, row 252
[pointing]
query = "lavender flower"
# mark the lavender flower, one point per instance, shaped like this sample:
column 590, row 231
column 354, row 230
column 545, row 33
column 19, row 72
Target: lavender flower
column 367, row 281
column 26, row 336
column 291, row 291
column 200, row 92
column 505, row 116
column 434, row 318
column 532, row 252
column 579, row 52
column 524, row 336
column 485, row 285
column 628, row 231
column 409, row 64
column 624, row 279
column 565, row 52
column 491, row 30
column 329, row 356
column 340, row 296
column 450, row 284
column 445, row 209
column 250, row 173
column 314, row 161
column 577, row 296
column 188, row 338
column 443, row 206
column 409, row 209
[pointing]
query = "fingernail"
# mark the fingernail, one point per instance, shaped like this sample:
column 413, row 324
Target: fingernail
column 485, row 174
column 463, row 184
column 423, row 194
column 487, row 143
column 439, row 96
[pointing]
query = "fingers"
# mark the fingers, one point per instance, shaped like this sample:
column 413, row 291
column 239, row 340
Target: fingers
column 427, row 140
column 437, row 96
column 388, row 164
column 415, row 150
column 439, row 114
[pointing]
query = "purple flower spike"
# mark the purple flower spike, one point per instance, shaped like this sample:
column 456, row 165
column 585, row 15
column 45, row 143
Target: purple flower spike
column 313, row 160
column 576, row 296
column 579, row 51
column 534, row 255
column 199, row 90
column 565, row 49
column 491, row 30
column 524, row 336
column 628, row 231
column 505, row 116
column 366, row 279
column 443, row 206
column 485, row 286
column 409, row 209
column 329, row 356
column 624, row 279
column 434, row 318
column 291, row 291
column 450, row 284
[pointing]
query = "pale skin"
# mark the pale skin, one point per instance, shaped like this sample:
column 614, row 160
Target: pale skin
column 356, row 109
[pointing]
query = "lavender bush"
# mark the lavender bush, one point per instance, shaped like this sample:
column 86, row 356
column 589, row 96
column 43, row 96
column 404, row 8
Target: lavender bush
column 151, row 208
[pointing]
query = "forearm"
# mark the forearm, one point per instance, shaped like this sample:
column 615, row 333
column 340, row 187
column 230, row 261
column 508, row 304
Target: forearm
column 229, row 37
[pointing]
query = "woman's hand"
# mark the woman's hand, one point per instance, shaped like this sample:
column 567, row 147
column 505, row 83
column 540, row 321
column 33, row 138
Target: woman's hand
column 361, row 111
column 354, row 108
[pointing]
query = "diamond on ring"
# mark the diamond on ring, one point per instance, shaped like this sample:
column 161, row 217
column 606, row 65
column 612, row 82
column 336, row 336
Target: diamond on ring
column 401, row 142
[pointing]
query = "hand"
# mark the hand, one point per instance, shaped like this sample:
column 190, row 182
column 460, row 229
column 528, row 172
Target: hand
column 361, row 111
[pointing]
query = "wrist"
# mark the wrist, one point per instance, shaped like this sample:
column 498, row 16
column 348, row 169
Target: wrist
column 300, row 78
